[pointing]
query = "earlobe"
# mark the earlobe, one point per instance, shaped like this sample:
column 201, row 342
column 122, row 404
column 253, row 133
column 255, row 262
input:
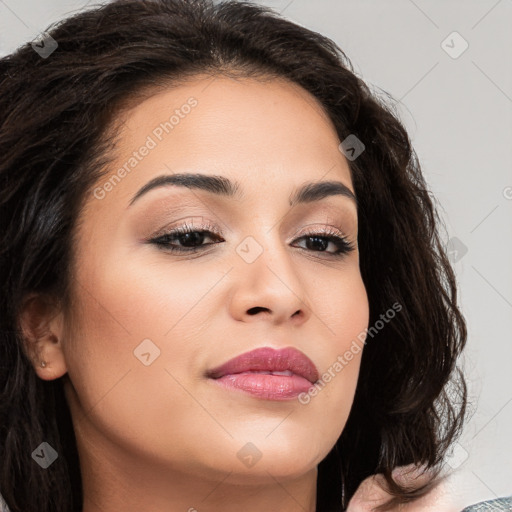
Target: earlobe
column 42, row 331
column 50, row 364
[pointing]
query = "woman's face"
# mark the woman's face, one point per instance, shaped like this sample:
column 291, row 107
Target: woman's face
column 150, row 323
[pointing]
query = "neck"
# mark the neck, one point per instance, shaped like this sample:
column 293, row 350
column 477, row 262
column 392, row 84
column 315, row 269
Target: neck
column 135, row 487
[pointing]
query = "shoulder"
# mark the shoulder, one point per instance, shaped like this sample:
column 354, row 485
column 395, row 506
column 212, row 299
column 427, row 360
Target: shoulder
column 374, row 492
column 498, row 505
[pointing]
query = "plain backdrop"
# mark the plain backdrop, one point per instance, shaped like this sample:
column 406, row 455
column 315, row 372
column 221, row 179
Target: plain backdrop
column 449, row 64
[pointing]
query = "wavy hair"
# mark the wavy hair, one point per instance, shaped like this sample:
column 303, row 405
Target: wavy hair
column 57, row 123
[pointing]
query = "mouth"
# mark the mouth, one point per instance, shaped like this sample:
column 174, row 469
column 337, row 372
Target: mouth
column 268, row 373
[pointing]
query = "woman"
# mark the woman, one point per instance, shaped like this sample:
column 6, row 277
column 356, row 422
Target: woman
column 222, row 279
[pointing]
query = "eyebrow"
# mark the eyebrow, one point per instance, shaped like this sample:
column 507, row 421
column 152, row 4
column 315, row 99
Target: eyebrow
column 220, row 185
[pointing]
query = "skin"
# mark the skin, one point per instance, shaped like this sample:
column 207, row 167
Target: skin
column 163, row 437
column 374, row 491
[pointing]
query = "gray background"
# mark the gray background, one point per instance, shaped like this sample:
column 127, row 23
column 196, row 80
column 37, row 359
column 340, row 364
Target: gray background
column 458, row 112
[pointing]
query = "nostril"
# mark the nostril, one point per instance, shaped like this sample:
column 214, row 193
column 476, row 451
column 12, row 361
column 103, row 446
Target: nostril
column 256, row 309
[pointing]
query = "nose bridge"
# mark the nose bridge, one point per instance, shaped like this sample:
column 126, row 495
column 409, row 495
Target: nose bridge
column 267, row 264
column 263, row 245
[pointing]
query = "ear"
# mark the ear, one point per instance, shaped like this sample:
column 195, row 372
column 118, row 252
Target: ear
column 42, row 326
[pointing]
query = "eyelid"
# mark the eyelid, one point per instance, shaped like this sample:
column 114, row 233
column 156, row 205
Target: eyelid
column 332, row 233
column 311, row 228
column 199, row 224
column 195, row 222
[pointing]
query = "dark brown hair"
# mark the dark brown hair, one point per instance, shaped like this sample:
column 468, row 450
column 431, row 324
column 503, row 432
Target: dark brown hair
column 56, row 121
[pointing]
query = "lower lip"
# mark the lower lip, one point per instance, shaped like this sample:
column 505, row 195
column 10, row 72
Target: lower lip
column 267, row 387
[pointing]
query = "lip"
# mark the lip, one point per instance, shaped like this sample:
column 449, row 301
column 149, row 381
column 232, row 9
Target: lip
column 237, row 373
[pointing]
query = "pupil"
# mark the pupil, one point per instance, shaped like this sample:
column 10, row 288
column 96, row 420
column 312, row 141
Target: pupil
column 193, row 238
column 320, row 243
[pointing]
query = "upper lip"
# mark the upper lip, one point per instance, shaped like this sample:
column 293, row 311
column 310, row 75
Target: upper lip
column 269, row 359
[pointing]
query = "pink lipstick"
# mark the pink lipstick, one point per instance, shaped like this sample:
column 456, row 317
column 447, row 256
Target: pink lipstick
column 268, row 373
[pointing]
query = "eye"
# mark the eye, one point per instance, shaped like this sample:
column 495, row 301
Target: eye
column 319, row 241
column 190, row 239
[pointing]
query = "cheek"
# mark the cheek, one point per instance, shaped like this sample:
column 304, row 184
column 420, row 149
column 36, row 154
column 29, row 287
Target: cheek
column 350, row 325
column 344, row 314
column 130, row 298
column 124, row 302
column 154, row 295
column 120, row 306
column 342, row 308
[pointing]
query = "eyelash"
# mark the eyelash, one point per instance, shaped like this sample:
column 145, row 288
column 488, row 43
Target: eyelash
column 330, row 234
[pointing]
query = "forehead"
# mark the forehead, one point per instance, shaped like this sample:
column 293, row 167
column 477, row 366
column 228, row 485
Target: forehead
column 269, row 135
column 247, row 102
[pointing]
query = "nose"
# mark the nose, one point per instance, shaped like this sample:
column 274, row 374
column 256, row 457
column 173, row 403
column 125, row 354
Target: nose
column 269, row 288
